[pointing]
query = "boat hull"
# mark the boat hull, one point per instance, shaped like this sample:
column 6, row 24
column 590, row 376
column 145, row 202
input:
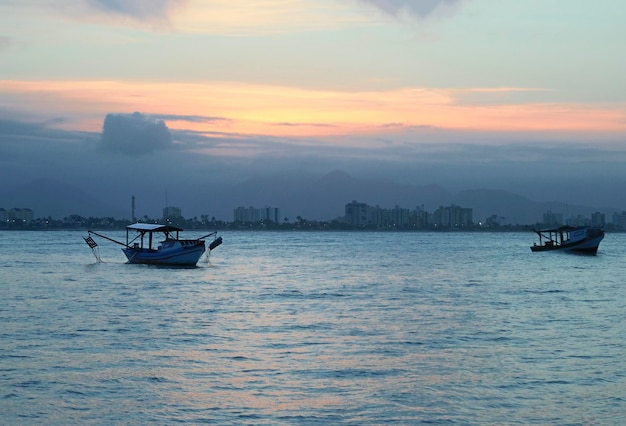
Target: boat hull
column 184, row 256
column 586, row 246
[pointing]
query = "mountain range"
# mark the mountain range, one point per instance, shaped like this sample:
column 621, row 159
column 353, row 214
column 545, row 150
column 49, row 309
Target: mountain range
column 320, row 197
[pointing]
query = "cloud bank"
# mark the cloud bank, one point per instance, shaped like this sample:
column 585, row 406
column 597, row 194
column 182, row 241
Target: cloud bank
column 134, row 135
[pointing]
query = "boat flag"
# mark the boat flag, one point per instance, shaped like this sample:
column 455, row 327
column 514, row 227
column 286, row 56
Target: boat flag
column 90, row 242
column 94, row 247
column 216, row 242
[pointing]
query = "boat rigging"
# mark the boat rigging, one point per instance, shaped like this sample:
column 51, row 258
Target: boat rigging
column 171, row 251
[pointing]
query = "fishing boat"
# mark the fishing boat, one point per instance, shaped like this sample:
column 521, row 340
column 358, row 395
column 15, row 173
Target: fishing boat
column 583, row 239
column 171, row 251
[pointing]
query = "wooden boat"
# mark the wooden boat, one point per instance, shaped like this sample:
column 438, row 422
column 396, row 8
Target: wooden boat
column 584, row 239
column 171, row 251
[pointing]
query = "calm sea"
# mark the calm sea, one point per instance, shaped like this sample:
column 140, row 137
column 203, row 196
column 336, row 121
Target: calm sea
column 314, row 328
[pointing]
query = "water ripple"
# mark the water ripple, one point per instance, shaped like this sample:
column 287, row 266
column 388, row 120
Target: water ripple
column 316, row 328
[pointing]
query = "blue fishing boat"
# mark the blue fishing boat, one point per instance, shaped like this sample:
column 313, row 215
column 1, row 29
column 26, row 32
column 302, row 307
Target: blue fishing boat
column 584, row 239
column 170, row 251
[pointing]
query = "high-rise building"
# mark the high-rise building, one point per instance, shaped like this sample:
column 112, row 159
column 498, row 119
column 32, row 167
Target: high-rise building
column 453, row 216
column 619, row 220
column 552, row 219
column 598, row 219
column 172, row 212
column 252, row 214
column 16, row 215
column 357, row 214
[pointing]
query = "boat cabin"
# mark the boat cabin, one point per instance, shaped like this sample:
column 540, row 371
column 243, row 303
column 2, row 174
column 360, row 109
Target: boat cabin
column 148, row 228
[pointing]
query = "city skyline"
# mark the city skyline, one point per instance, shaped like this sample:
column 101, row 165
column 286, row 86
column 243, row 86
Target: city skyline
column 359, row 215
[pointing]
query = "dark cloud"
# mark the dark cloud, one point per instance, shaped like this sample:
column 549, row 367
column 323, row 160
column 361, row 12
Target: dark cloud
column 134, row 134
column 28, row 137
column 418, row 8
column 140, row 10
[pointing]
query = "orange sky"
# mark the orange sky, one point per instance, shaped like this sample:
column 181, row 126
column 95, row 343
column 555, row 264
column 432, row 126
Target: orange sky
column 285, row 111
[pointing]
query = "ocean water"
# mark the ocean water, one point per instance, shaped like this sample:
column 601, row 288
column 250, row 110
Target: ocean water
column 314, row 328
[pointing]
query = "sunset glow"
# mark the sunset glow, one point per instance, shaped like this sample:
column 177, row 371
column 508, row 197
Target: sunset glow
column 284, row 111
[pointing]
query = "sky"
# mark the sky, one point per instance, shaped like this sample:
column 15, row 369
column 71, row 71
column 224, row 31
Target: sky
column 527, row 96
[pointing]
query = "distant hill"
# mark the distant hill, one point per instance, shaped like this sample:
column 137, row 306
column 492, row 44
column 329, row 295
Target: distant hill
column 320, row 197
column 50, row 197
column 514, row 209
column 324, row 198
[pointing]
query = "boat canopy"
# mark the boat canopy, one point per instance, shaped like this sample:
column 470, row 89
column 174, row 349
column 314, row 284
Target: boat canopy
column 153, row 227
column 565, row 228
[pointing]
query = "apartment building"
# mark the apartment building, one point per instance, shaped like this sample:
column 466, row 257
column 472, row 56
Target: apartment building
column 253, row 214
column 361, row 215
column 16, row 215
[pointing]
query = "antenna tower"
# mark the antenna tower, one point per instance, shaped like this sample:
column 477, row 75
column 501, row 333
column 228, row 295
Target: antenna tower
column 132, row 208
